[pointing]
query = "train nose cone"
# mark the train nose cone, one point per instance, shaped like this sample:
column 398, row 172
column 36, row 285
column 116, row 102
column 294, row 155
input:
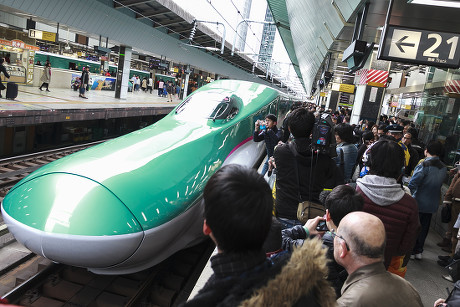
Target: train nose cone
column 71, row 219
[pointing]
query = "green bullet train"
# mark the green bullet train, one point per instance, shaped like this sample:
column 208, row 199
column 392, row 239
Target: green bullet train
column 129, row 203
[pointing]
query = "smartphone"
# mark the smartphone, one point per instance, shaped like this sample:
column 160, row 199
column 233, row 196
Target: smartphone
column 322, row 226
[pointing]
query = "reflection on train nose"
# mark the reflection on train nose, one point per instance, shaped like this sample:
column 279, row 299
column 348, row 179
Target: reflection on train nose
column 72, row 219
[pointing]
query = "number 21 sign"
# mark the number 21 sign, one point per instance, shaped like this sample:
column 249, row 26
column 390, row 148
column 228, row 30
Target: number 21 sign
column 423, row 47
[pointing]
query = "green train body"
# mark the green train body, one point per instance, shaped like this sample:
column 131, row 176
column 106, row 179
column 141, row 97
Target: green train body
column 129, row 203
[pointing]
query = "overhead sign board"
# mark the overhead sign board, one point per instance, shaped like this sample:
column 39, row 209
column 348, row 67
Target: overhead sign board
column 347, row 88
column 422, row 47
column 43, row 35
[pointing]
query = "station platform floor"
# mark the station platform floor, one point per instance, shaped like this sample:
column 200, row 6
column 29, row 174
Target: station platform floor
column 425, row 275
column 31, row 98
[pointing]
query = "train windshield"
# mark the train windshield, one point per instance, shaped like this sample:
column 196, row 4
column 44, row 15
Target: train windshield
column 210, row 105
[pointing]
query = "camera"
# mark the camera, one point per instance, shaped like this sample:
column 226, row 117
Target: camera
column 263, row 127
column 322, row 226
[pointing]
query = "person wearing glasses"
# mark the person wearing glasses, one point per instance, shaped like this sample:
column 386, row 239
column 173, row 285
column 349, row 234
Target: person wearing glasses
column 359, row 246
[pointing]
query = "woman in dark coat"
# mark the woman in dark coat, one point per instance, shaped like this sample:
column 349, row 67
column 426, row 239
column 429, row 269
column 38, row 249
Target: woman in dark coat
column 3, row 70
column 84, row 82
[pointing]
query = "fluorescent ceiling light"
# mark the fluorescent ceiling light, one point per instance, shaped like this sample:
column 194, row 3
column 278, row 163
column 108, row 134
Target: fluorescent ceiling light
column 446, row 3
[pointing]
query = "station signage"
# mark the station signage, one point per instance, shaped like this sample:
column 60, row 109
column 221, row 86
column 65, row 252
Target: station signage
column 347, row 88
column 422, row 47
column 43, row 35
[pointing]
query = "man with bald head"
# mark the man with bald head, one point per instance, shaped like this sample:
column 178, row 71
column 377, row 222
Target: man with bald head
column 359, row 246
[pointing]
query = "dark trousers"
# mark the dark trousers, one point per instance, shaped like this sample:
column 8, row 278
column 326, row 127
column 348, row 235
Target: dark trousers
column 425, row 221
column 44, row 84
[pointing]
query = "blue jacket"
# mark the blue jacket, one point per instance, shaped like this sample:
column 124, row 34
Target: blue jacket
column 350, row 153
column 425, row 184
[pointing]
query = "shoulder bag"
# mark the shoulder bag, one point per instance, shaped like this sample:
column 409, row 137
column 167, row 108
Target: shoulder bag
column 306, row 209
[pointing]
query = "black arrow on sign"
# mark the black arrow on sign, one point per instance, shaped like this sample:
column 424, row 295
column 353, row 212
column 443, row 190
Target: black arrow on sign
column 400, row 43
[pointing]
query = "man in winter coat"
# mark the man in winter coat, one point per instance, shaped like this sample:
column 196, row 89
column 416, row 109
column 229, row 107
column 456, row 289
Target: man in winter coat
column 359, row 245
column 385, row 198
column 425, row 186
column 237, row 210
column 84, row 82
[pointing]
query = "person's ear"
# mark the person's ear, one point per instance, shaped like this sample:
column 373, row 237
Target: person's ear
column 328, row 215
column 206, row 230
column 343, row 249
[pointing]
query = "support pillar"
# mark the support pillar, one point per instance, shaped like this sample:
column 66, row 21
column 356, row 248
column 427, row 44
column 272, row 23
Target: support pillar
column 187, row 76
column 124, row 66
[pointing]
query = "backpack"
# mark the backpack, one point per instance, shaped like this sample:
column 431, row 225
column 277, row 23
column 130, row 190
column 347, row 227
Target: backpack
column 323, row 136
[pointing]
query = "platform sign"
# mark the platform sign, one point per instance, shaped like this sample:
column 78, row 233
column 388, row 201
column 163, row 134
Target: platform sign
column 347, row 88
column 43, row 35
column 422, row 47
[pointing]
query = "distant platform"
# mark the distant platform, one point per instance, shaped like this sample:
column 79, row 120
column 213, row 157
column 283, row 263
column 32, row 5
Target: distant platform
column 33, row 106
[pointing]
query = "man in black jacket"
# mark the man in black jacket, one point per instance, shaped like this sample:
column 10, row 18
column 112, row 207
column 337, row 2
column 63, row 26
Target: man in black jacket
column 301, row 173
column 268, row 132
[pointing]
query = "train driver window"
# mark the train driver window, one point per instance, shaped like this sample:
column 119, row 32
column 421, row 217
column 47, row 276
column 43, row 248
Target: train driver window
column 211, row 105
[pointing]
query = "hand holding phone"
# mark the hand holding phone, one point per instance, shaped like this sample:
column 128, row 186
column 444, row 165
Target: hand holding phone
column 322, row 226
column 312, row 225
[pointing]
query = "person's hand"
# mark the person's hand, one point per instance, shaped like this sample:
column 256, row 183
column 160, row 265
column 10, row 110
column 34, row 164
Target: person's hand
column 257, row 125
column 311, row 225
column 271, row 163
column 440, row 302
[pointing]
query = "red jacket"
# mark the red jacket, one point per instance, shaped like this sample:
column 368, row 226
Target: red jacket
column 401, row 222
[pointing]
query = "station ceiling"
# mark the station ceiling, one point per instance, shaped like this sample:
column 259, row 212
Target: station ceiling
column 156, row 27
column 176, row 22
column 314, row 29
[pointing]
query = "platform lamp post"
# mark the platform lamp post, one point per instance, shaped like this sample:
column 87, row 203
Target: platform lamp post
column 246, row 21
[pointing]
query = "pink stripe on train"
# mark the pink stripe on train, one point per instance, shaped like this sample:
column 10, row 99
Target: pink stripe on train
column 239, row 145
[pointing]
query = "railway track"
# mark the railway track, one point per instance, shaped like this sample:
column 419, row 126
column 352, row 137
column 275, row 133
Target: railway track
column 166, row 284
column 16, row 263
column 13, row 169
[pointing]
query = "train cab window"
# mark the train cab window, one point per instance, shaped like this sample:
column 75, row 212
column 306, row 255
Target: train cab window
column 210, row 105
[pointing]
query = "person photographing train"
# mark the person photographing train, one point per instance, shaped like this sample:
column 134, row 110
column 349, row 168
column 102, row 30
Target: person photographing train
column 266, row 130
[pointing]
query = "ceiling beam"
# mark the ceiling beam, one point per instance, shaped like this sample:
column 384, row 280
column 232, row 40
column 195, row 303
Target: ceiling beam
column 151, row 13
column 119, row 5
column 168, row 24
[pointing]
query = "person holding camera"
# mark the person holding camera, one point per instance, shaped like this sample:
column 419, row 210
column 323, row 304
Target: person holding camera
column 266, row 130
column 342, row 200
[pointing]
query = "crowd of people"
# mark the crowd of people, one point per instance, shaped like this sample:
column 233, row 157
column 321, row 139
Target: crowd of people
column 378, row 192
column 166, row 89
